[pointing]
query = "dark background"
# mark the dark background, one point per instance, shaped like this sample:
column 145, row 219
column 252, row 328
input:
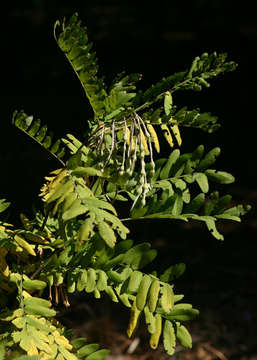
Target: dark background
column 156, row 40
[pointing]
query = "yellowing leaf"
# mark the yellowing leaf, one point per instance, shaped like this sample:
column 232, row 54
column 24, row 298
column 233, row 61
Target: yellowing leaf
column 155, row 337
column 144, row 142
column 48, row 189
column 128, row 139
column 25, row 245
column 61, row 340
column 4, row 268
column 176, row 133
column 19, row 322
column 154, row 137
column 27, row 344
column 67, row 355
column 167, row 135
column 134, row 315
column 167, row 298
column 26, row 295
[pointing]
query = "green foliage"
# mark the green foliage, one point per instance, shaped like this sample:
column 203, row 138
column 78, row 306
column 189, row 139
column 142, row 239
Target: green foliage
column 78, row 241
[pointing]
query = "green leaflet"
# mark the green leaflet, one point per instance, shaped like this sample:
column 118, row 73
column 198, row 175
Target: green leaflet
column 91, row 280
column 180, row 314
column 167, row 297
column 177, row 205
column 171, row 160
column 101, row 283
column 195, row 205
column 143, row 292
column 153, row 295
column 155, row 337
column 169, row 337
column 134, row 255
column 150, row 320
column 220, row 177
column 202, row 181
column 228, row 217
column 39, row 310
column 33, row 285
column 115, row 221
column 209, row 159
column 77, row 208
column 98, row 355
column 85, row 230
column 196, row 119
column 4, row 205
column 212, row 228
column 34, row 301
column 167, row 103
column 183, row 336
column 107, row 234
column 173, row 272
column 78, row 343
column 134, row 282
column 109, row 291
column 82, row 280
column 36, row 323
column 90, row 171
column 183, row 306
column 87, row 350
column 96, row 203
